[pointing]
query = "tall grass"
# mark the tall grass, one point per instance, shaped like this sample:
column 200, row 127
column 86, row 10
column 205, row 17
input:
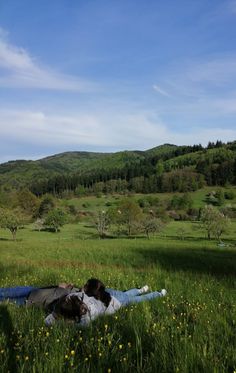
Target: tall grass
column 191, row 330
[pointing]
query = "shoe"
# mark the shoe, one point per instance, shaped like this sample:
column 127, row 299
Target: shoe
column 144, row 289
column 163, row 292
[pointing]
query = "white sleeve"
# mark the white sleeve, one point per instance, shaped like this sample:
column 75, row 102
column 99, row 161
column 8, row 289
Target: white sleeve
column 95, row 309
column 50, row 320
column 114, row 306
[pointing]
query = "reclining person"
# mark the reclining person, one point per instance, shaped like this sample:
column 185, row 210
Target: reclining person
column 74, row 304
column 96, row 300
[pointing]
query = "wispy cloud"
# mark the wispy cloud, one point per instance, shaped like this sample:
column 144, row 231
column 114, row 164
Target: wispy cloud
column 93, row 130
column 216, row 71
column 19, row 69
column 199, row 81
column 160, row 90
column 49, row 134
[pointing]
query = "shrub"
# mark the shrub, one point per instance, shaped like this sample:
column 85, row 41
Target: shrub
column 55, row 219
column 229, row 194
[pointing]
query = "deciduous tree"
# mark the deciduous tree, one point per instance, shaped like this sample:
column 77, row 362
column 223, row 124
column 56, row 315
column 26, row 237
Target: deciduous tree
column 213, row 222
column 12, row 220
column 151, row 225
column 129, row 214
column 55, row 219
column 102, row 222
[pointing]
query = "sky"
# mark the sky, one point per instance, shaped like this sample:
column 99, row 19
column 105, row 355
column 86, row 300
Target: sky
column 112, row 75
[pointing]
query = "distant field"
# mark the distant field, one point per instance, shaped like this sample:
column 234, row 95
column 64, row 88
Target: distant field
column 93, row 203
column 191, row 330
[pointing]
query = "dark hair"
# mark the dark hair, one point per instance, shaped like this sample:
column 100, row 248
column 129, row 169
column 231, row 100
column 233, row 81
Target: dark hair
column 95, row 288
column 70, row 307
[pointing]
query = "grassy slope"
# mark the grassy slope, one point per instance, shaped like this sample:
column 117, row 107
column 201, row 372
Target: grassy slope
column 189, row 331
column 93, row 203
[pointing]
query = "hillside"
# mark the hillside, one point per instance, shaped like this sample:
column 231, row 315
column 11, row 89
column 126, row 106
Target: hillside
column 88, row 167
column 21, row 172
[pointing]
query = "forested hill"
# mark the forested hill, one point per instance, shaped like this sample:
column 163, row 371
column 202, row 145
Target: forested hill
column 164, row 168
column 22, row 172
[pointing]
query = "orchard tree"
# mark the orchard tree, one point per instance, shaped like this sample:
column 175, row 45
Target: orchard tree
column 207, row 219
column 129, row 214
column 55, row 219
column 221, row 225
column 46, row 205
column 12, row 220
column 39, row 224
column 151, row 225
column 28, row 202
column 213, row 222
column 102, row 223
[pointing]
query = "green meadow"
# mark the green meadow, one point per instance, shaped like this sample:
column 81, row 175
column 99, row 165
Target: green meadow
column 190, row 330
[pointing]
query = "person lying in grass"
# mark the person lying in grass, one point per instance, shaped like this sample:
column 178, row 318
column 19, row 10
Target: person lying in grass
column 73, row 304
column 96, row 300
column 51, row 299
column 30, row 295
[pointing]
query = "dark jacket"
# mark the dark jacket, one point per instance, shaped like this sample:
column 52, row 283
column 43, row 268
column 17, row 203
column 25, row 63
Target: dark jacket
column 46, row 297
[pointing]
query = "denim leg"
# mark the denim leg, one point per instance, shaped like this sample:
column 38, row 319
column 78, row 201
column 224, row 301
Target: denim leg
column 132, row 296
column 115, row 293
column 120, row 295
column 132, row 292
column 142, row 298
column 16, row 294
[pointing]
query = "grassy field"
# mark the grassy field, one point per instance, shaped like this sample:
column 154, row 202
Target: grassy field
column 93, row 203
column 191, row 330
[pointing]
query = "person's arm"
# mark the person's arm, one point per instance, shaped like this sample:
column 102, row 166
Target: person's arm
column 64, row 285
column 114, row 306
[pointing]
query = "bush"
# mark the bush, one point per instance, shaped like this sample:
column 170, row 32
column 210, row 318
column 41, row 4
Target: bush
column 152, row 200
column 143, row 202
column 229, row 194
column 55, row 219
column 86, row 205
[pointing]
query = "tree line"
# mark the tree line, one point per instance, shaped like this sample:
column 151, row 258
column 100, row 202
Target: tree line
column 190, row 169
column 127, row 217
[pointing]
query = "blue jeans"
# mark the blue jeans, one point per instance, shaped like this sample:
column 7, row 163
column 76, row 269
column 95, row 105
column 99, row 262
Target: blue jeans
column 17, row 294
column 132, row 295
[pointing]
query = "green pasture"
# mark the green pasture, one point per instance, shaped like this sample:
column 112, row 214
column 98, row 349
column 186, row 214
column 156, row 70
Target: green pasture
column 94, row 203
column 191, row 330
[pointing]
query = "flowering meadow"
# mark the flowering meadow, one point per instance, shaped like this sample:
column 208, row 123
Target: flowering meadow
column 192, row 329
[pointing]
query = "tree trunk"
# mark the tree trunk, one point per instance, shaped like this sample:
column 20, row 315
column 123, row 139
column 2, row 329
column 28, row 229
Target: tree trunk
column 13, row 231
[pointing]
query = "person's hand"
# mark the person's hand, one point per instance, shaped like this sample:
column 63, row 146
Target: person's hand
column 64, row 285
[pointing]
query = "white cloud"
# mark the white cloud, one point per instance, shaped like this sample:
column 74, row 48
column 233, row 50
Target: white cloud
column 19, row 69
column 79, row 132
column 160, row 90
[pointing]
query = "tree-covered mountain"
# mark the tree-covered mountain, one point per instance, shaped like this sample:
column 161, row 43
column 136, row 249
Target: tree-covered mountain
column 163, row 168
column 22, row 172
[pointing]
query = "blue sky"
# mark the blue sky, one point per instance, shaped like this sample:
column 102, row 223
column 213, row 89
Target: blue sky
column 108, row 75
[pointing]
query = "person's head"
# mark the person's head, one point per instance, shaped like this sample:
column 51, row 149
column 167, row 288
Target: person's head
column 70, row 308
column 95, row 288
